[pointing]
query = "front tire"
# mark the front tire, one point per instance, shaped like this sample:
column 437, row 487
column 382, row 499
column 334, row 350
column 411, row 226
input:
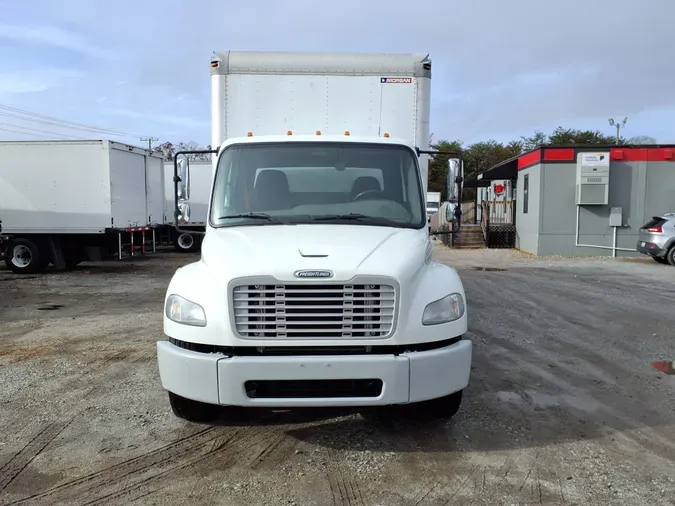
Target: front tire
column 431, row 410
column 443, row 407
column 192, row 411
column 25, row 257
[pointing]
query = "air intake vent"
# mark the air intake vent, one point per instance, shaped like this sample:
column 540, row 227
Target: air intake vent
column 314, row 311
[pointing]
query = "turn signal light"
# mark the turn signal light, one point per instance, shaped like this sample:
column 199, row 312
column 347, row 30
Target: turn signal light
column 386, row 134
column 346, row 132
column 250, row 134
column 289, row 133
column 318, row 132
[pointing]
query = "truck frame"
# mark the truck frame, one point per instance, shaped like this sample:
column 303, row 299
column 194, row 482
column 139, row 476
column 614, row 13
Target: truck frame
column 316, row 284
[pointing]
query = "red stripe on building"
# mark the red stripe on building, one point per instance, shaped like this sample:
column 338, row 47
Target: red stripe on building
column 529, row 159
column 559, row 154
column 643, row 154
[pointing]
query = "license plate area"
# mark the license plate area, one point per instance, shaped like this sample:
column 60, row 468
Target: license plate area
column 308, row 389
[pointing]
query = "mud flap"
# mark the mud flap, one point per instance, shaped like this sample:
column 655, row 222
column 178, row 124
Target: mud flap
column 56, row 252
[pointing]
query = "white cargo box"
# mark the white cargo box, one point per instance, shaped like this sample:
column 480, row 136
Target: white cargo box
column 78, row 187
column 273, row 93
column 201, row 174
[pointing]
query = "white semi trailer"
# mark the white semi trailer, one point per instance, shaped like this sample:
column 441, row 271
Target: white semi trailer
column 63, row 202
column 316, row 284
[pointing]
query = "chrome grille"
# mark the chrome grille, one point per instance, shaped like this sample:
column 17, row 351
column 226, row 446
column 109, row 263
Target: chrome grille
column 305, row 311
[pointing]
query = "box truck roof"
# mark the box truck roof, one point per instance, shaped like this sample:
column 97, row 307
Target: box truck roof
column 338, row 64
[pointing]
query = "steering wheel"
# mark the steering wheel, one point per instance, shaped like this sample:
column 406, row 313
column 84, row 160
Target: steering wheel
column 367, row 192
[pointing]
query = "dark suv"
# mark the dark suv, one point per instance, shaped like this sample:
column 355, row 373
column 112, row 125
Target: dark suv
column 657, row 239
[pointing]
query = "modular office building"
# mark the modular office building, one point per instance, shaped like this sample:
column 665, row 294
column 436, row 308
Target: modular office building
column 588, row 200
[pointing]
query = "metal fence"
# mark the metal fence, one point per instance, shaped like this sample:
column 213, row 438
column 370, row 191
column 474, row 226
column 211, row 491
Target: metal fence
column 497, row 219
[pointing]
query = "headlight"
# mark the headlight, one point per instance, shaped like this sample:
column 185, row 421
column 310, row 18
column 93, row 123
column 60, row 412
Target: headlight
column 447, row 309
column 183, row 311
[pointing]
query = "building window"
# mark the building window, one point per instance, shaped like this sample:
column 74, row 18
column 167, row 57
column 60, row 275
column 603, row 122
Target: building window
column 526, row 187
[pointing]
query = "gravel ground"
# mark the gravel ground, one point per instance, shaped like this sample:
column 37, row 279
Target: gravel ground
column 564, row 406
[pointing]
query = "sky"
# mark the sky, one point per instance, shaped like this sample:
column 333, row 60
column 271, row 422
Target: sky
column 501, row 68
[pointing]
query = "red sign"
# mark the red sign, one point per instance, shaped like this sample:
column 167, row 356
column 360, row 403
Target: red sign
column 499, row 189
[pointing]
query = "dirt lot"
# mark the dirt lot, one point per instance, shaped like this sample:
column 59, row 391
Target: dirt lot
column 564, row 406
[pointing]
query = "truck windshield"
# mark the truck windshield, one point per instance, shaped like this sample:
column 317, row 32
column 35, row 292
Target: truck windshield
column 316, row 182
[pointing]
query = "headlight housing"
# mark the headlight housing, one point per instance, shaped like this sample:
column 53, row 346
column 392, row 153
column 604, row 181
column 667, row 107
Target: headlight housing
column 445, row 310
column 181, row 310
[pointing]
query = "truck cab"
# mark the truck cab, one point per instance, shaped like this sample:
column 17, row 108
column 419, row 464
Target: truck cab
column 316, row 284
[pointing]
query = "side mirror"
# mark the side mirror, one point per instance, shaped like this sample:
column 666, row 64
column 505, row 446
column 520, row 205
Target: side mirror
column 184, row 175
column 181, row 178
column 446, row 220
column 184, row 212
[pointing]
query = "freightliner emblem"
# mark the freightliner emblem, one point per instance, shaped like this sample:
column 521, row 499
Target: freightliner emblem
column 313, row 274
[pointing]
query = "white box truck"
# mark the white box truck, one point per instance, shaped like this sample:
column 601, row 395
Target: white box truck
column 433, row 204
column 189, row 237
column 316, row 284
column 63, row 202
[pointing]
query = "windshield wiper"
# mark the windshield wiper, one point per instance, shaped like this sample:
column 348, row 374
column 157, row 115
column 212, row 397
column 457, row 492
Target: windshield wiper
column 350, row 216
column 355, row 217
column 254, row 216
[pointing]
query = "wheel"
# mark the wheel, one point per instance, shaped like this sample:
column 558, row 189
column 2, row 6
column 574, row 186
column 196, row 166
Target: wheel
column 670, row 256
column 661, row 260
column 25, row 257
column 192, row 411
column 185, row 243
column 443, row 407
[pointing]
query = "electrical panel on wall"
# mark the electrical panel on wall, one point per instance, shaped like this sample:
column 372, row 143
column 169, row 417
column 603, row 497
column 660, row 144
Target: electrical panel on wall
column 592, row 178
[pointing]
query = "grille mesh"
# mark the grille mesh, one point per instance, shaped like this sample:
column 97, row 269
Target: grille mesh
column 304, row 311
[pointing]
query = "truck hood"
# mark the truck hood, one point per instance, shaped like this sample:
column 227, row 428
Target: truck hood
column 346, row 250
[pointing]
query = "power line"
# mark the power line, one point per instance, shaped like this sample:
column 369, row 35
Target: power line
column 64, row 136
column 65, row 123
column 23, row 133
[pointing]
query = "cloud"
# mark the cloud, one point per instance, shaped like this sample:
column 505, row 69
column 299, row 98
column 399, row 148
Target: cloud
column 182, row 121
column 52, row 36
column 36, row 80
column 500, row 68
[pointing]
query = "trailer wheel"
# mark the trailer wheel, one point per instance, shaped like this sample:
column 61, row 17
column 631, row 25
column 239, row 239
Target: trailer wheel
column 25, row 257
column 192, row 411
column 185, row 243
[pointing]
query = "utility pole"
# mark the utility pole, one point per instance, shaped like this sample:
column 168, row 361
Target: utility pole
column 619, row 126
column 149, row 140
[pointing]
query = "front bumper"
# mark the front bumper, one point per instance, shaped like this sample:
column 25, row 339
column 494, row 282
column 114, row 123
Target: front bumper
column 216, row 378
column 650, row 248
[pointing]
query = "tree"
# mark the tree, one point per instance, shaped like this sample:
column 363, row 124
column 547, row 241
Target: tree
column 566, row 137
column 168, row 149
column 571, row 137
column 530, row 143
column 642, row 139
